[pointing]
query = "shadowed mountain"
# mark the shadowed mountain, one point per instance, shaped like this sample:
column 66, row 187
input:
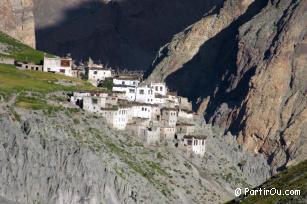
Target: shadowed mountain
column 124, row 34
column 249, row 78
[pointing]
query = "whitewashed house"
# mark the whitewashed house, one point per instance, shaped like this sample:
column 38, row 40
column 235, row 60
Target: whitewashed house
column 141, row 111
column 97, row 74
column 128, row 91
column 159, row 88
column 132, row 81
column 195, row 144
column 169, row 116
column 145, row 94
column 58, row 65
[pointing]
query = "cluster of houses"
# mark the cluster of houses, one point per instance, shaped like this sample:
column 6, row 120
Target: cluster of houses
column 147, row 110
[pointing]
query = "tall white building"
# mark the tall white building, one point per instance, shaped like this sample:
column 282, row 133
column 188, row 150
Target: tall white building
column 195, row 144
column 58, row 65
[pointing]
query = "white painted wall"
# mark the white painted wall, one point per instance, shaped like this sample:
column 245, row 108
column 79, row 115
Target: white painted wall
column 141, row 111
column 127, row 82
column 145, row 94
column 184, row 114
column 96, row 75
column 169, row 117
column 159, row 88
column 199, row 146
column 129, row 91
column 54, row 65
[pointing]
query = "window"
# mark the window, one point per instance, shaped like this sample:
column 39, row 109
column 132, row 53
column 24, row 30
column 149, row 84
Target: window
column 95, row 72
column 161, row 88
column 27, row 66
column 131, row 90
column 157, row 88
column 94, row 100
column 36, row 68
column 189, row 142
column 123, row 83
column 141, row 92
column 62, row 70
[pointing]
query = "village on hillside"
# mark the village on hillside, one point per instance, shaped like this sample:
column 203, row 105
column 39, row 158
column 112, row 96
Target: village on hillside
column 146, row 110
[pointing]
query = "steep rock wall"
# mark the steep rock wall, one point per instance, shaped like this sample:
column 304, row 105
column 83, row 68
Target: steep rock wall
column 248, row 78
column 17, row 20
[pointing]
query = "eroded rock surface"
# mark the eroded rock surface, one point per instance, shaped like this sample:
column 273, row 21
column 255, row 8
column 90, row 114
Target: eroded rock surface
column 17, row 20
column 249, row 77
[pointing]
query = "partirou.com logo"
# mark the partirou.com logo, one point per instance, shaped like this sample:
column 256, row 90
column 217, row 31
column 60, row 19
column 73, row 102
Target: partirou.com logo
column 265, row 192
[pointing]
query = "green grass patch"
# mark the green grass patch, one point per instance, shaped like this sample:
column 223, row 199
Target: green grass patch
column 13, row 80
column 294, row 178
column 20, row 51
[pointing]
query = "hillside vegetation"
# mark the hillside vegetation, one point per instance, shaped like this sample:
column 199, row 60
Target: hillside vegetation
column 294, row 178
column 38, row 84
column 12, row 48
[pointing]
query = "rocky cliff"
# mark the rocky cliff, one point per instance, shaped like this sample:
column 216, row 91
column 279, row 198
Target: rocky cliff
column 17, row 20
column 244, row 67
column 67, row 156
column 124, row 34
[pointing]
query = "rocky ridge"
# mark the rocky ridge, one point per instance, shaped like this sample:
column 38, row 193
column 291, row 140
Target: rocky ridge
column 68, row 156
column 248, row 75
column 17, row 20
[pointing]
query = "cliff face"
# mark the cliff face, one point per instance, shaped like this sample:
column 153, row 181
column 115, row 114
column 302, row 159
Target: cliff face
column 17, row 20
column 247, row 75
column 124, row 34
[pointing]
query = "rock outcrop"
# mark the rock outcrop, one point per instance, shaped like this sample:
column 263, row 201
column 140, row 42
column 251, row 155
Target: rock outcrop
column 247, row 75
column 71, row 157
column 17, row 20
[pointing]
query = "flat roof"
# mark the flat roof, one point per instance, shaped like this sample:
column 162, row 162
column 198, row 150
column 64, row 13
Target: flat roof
column 127, row 77
column 184, row 124
column 199, row 137
column 168, row 109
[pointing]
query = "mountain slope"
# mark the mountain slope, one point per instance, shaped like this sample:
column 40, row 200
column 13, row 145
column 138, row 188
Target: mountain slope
column 124, row 34
column 14, row 49
column 17, row 20
column 53, row 152
column 248, row 78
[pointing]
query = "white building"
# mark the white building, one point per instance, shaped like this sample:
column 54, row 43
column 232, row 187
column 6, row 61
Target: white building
column 169, row 117
column 116, row 117
column 159, row 88
column 97, row 74
column 128, row 91
column 58, row 65
column 126, row 80
column 145, row 94
column 195, row 144
column 141, row 111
